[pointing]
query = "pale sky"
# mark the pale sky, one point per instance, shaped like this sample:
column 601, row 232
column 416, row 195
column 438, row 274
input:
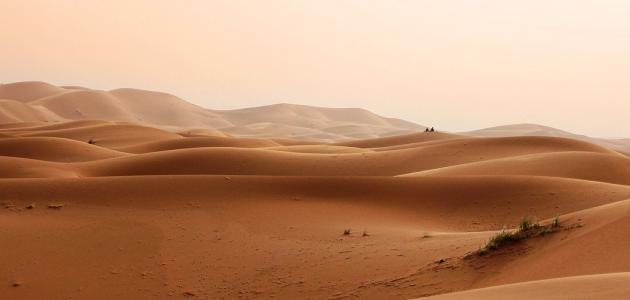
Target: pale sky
column 457, row 65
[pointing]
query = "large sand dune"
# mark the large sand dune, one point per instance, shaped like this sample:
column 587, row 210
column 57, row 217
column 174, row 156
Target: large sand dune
column 613, row 168
column 42, row 102
column 54, row 149
column 151, row 204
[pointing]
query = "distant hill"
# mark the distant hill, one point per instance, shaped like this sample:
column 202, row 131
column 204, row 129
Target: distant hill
column 43, row 102
column 540, row 130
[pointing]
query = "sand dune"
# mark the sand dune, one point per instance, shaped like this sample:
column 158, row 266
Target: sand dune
column 199, row 142
column 15, row 167
column 201, row 132
column 170, row 212
column 247, row 161
column 12, row 111
column 597, row 233
column 502, row 200
column 130, row 105
column 54, row 149
column 539, row 130
column 29, row 127
column 28, row 91
column 107, row 135
column 399, row 140
column 7, row 126
column 521, row 130
column 581, row 165
column 165, row 233
column 322, row 149
column 38, row 101
column 311, row 117
column 603, row 286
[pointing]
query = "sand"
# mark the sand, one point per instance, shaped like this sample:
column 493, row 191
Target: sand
column 42, row 102
column 115, row 209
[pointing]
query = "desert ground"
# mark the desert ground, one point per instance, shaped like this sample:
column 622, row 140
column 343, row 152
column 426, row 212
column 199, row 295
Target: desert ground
column 131, row 194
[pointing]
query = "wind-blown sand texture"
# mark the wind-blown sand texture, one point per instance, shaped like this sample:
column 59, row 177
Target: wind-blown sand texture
column 118, row 209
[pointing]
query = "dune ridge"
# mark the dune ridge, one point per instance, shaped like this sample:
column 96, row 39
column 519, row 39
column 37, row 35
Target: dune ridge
column 609, row 286
column 43, row 102
column 320, row 203
column 540, row 130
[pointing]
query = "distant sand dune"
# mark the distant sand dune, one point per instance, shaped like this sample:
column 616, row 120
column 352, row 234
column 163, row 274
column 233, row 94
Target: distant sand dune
column 581, row 165
column 54, row 149
column 199, row 142
column 399, row 140
column 29, row 90
column 107, row 135
column 38, row 101
column 247, row 161
column 12, row 111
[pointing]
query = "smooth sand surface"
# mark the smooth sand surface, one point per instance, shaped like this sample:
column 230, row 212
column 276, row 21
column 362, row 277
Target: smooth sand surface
column 118, row 209
column 605, row 286
column 539, row 130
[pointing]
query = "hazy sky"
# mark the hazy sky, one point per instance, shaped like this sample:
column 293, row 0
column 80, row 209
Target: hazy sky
column 457, row 65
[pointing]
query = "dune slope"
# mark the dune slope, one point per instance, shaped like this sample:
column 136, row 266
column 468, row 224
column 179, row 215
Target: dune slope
column 602, row 167
column 604, row 286
column 39, row 101
column 103, row 209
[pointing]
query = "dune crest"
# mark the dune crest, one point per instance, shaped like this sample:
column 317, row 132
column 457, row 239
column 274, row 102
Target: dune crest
column 606, row 286
column 42, row 102
column 149, row 196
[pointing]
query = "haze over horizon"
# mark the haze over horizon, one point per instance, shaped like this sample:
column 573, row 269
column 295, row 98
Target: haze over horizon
column 243, row 149
column 457, row 65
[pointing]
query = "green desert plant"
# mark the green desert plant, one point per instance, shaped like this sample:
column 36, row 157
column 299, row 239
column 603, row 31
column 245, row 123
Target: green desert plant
column 524, row 225
column 556, row 222
column 526, row 229
column 500, row 239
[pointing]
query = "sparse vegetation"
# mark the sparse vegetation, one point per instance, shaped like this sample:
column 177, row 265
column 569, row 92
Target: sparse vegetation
column 524, row 225
column 527, row 228
column 500, row 239
column 556, row 222
column 347, row 231
column 426, row 235
column 91, row 142
column 365, row 233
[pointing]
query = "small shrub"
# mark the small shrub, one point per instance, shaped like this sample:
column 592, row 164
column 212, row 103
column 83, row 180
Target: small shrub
column 347, row 231
column 556, row 222
column 500, row 239
column 365, row 233
column 524, row 225
column 91, row 142
column 526, row 229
